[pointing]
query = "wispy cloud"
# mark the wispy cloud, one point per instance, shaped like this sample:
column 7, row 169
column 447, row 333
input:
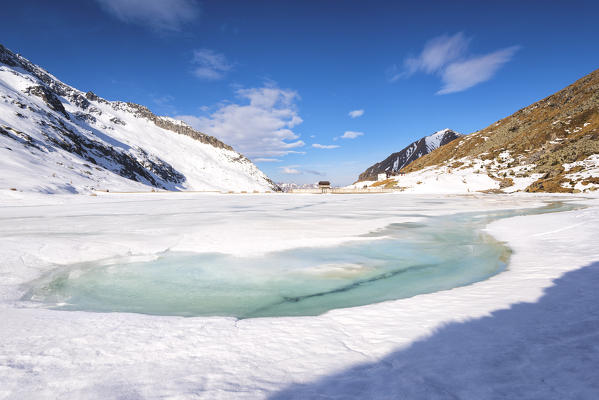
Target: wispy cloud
column 325, row 146
column 160, row 15
column 262, row 126
column 356, row 113
column 351, row 135
column 447, row 57
column 260, row 159
column 296, row 170
column 210, row 65
column 291, row 170
column 461, row 75
column 436, row 54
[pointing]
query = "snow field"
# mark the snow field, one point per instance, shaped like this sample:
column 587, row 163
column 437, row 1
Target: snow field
column 47, row 354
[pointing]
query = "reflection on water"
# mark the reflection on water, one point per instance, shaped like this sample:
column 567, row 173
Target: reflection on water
column 400, row 261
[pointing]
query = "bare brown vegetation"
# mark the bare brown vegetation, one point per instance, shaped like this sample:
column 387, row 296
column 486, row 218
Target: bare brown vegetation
column 386, row 184
column 562, row 128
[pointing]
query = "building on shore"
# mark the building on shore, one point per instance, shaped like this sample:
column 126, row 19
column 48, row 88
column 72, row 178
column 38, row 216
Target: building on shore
column 324, row 186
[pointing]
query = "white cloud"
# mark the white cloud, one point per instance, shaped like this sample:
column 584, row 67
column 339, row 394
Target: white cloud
column 295, row 170
column 263, row 127
column 447, row 57
column 437, row 53
column 325, row 146
column 259, row 159
column 356, row 113
column 157, row 14
column 351, row 135
column 461, row 75
column 291, row 170
column 210, row 64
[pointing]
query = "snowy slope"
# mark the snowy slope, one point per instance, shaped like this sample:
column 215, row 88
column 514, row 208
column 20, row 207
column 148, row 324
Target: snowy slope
column 396, row 161
column 54, row 138
column 501, row 174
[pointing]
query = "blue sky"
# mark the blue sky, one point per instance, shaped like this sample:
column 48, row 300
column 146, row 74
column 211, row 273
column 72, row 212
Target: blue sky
column 279, row 79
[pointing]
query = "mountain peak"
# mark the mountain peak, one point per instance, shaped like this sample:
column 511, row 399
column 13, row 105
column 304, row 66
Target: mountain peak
column 396, row 161
column 440, row 138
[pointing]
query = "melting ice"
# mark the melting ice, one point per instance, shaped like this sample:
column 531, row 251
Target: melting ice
column 399, row 261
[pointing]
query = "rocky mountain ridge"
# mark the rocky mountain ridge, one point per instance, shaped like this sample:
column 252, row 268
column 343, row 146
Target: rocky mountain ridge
column 396, row 161
column 54, row 86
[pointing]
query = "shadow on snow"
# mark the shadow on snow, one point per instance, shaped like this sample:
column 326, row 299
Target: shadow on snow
column 543, row 350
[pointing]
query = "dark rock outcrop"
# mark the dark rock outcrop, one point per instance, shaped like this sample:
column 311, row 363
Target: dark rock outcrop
column 396, row 161
column 49, row 98
column 136, row 165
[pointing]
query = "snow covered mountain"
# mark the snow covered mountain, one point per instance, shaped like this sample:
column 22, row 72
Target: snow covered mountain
column 55, row 138
column 417, row 149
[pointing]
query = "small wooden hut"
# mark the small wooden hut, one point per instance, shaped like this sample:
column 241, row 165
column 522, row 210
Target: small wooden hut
column 324, row 186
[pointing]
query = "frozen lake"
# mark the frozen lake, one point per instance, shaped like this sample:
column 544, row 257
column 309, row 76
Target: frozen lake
column 389, row 288
column 408, row 259
column 398, row 261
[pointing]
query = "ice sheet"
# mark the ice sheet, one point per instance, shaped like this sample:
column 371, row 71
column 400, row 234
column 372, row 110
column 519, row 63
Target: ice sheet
column 55, row 354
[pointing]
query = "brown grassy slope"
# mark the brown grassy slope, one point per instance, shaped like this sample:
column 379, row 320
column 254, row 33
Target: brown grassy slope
column 528, row 132
column 386, row 184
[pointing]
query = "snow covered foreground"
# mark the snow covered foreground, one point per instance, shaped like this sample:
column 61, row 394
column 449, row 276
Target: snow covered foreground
column 529, row 332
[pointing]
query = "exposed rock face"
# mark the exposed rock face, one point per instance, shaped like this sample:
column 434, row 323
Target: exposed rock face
column 91, row 96
column 137, row 165
column 560, row 129
column 117, row 121
column 396, row 161
column 90, row 119
column 49, row 98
